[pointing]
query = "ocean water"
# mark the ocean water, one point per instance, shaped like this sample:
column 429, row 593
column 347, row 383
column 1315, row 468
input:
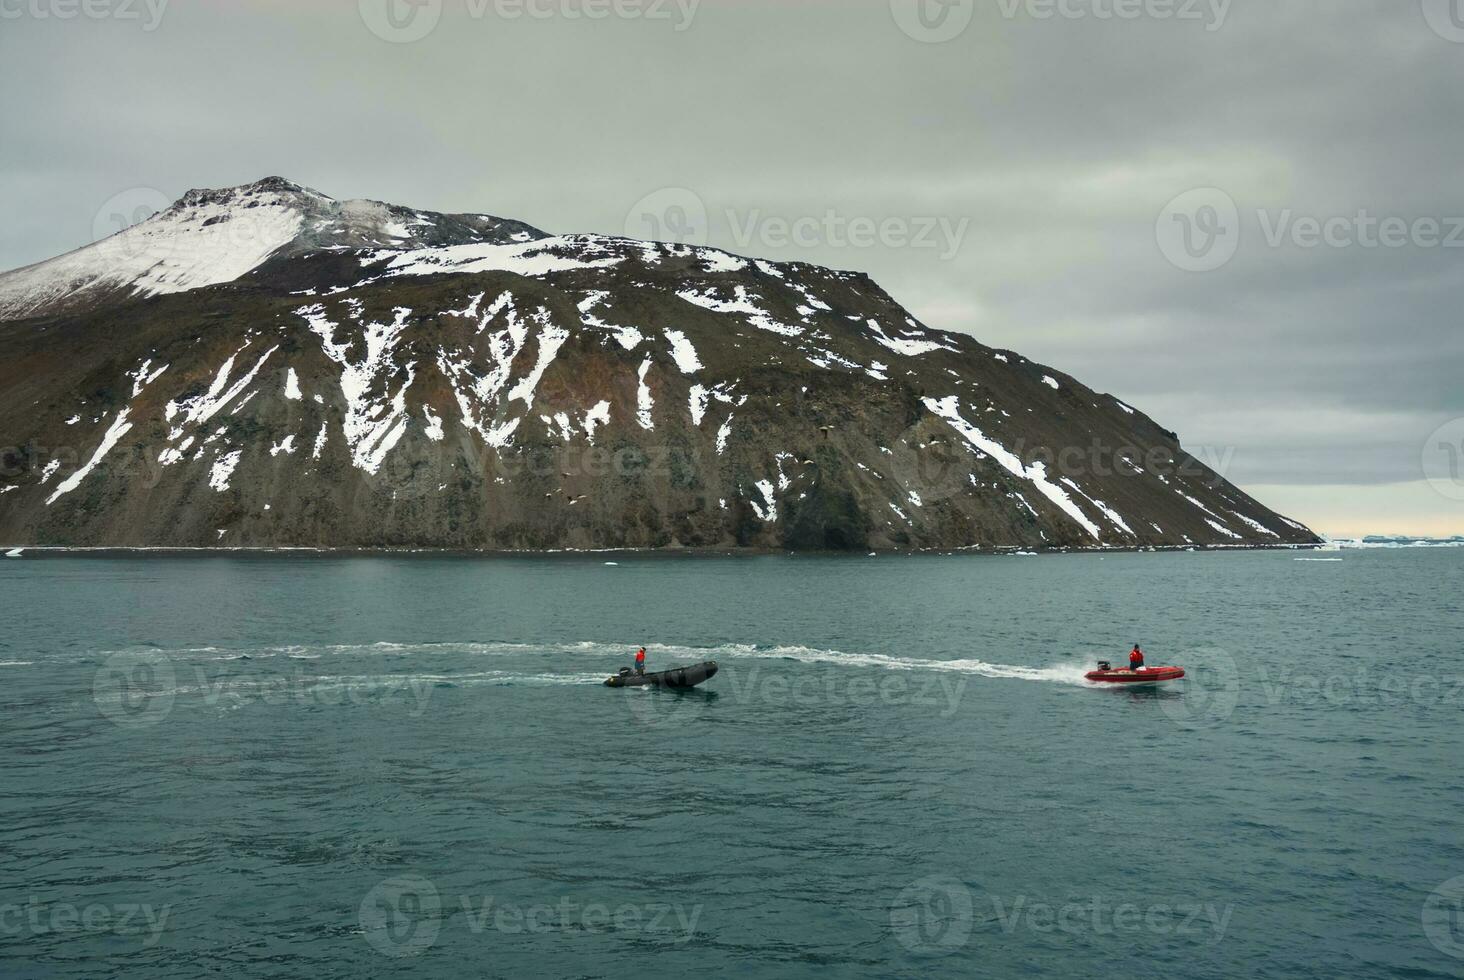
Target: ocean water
column 360, row 767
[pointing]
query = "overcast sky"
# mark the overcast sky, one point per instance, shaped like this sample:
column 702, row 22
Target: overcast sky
column 1246, row 218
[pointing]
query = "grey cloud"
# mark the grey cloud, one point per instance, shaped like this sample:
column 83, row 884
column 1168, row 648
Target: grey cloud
column 1060, row 140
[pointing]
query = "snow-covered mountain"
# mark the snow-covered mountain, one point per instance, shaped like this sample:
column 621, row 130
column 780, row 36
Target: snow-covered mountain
column 215, row 236
column 266, row 366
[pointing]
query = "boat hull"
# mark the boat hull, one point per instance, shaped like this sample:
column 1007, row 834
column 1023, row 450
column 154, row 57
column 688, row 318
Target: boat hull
column 1143, row 677
column 676, row 677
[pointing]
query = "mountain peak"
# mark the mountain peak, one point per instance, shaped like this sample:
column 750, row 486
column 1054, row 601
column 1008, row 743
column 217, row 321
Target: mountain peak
column 267, row 186
column 211, row 236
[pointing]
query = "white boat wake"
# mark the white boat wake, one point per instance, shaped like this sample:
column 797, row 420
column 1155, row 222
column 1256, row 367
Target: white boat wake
column 616, row 654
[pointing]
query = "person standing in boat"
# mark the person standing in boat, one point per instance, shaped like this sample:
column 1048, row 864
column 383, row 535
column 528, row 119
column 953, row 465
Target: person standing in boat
column 640, row 661
column 1136, row 658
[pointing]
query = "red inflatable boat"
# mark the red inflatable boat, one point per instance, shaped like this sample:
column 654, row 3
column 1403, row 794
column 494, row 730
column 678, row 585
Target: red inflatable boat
column 1144, row 675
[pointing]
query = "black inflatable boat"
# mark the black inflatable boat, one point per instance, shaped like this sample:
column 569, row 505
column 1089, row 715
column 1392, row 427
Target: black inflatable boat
column 675, row 677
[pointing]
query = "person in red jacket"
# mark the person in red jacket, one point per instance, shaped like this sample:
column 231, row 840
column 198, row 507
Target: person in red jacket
column 640, row 660
column 1136, row 658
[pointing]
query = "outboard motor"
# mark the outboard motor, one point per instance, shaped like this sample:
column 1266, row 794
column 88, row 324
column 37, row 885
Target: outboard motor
column 1104, row 665
column 625, row 671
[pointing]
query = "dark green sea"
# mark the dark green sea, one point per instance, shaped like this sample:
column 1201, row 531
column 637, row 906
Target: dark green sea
column 358, row 767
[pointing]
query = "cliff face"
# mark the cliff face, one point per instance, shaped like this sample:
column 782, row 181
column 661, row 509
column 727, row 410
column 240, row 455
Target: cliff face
column 369, row 376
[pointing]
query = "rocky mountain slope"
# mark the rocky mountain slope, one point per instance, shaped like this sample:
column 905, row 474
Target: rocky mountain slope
column 265, row 366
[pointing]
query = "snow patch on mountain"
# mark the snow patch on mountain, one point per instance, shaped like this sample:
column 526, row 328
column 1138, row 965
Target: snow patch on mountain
column 948, row 408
